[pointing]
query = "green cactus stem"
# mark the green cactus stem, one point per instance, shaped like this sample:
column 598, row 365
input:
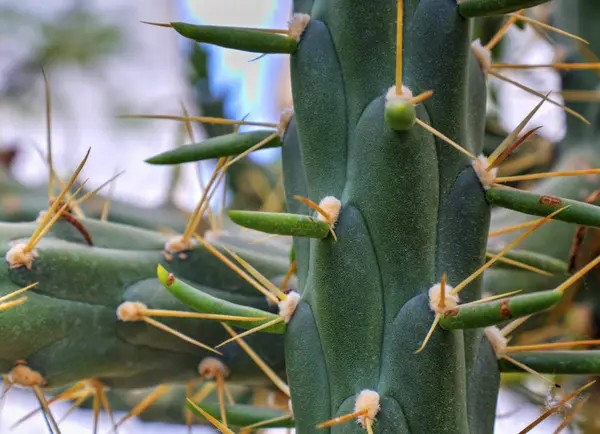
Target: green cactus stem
column 498, row 311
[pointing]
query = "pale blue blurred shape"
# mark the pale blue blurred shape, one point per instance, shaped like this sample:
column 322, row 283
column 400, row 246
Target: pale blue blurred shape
column 224, row 80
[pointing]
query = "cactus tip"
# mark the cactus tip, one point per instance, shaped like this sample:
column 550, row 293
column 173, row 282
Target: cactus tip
column 162, row 273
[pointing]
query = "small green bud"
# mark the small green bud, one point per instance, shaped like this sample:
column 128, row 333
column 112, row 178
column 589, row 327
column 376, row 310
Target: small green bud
column 400, row 116
column 400, row 113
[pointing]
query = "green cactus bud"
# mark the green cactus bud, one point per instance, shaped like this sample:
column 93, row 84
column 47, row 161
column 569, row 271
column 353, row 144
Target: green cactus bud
column 400, row 114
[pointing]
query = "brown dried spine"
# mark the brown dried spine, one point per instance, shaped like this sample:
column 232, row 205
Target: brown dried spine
column 580, row 235
column 68, row 216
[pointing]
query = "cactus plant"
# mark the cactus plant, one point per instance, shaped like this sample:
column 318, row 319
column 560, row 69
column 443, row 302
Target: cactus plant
column 408, row 216
column 388, row 202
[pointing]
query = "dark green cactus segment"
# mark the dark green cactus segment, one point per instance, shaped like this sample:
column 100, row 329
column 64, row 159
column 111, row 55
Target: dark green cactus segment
column 281, row 223
column 304, row 353
column 398, row 160
column 405, row 379
column 482, row 384
column 409, row 202
column 241, row 415
column 254, row 41
column 317, row 73
column 484, row 8
column 534, row 259
column 498, row 311
column 205, row 303
column 400, row 116
column 336, row 291
column 575, row 362
column 541, row 205
column 216, row 147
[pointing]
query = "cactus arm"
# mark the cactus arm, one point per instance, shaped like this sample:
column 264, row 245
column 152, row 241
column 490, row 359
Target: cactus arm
column 581, row 362
column 496, row 312
column 484, row 8
column 543, row 205
column 205, row 303
column 254, row 41
column 215, row 147
column 281, row 223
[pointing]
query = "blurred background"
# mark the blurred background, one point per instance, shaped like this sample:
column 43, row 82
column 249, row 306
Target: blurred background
column 102, row 62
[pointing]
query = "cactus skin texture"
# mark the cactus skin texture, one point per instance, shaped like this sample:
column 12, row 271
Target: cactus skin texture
column 412, row 209
column 71, row 311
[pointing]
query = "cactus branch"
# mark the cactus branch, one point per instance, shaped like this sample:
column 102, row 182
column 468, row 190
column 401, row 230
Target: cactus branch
column 484, row 8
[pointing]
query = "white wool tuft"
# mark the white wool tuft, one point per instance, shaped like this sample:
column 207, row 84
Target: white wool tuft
column 297, row 25
column 435, row 295
column 178, row 245
column 392, row 98
column 332, row 207
column 483, row 55
column 131, row 311
column 288, row 306
column 367, row 400
column 17, row 257
column 497, row 339
column 487, row 178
